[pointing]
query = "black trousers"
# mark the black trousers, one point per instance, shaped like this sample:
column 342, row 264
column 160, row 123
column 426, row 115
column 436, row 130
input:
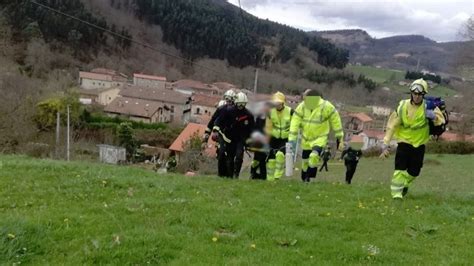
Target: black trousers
column 231, row 156
column 325, row 165
column 351, row 167
column 259, row 171
column 277, row 145
column 310, row 172
column 221, row 158
column 409, row 158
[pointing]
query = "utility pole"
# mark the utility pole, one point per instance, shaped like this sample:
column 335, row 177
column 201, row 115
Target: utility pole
column 58, row 118
column 68, row 136
column 256, row 82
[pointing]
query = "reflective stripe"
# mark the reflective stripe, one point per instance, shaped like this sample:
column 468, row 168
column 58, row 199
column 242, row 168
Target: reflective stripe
column 298, row 114
column 396, row 188
column 314, row 138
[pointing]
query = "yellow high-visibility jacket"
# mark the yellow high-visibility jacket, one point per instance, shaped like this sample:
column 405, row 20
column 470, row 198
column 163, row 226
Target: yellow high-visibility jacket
column 315, row 124
column 408, row 124
column 278, row 123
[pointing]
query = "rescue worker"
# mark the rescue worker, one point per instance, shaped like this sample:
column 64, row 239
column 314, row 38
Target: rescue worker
column 258, row 168
column 228, row 99
column 351, row 158
column 278, row 127
column 409, row 123
column 234, row 125
column 315, row 117
column 326, row 156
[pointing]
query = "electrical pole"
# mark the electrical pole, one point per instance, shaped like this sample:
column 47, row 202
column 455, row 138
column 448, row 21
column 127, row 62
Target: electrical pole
column 256, row 82
column 68, row 132
column 58, row 118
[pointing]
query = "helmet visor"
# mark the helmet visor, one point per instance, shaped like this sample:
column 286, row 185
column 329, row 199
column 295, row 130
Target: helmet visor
column 241, row 104
column 417, row 89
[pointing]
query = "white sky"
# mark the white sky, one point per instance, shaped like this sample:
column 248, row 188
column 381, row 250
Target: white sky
column 440, row 20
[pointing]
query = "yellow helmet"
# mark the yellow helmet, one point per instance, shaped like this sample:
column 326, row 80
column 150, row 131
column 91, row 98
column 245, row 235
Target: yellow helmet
column 419, row 86
column 278, row 97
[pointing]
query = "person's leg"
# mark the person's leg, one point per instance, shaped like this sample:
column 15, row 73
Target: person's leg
column 230, row 157
column 313, row 161
column 280, row 164
column 222, row 159
column 254, row 167
column 304, row 166
column 400, row 175
column 239, row 158
column 271, row 163
column 262, row 158
column 414, row 166
column 351, row 167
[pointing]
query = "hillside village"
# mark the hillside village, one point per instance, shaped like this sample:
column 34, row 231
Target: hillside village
column 191, row 103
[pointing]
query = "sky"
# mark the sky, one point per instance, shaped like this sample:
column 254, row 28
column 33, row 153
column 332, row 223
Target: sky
column 435, row 19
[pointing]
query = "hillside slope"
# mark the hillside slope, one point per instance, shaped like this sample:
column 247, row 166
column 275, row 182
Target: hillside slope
column 84, row 213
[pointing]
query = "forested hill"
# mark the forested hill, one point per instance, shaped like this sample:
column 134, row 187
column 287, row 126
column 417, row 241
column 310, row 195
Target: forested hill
column 217, row 29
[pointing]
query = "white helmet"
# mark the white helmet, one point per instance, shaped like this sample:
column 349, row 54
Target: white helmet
column 241, row 98
column 229, row 95
column 221, row 103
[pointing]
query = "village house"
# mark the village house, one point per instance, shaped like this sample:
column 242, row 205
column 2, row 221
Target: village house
column 178, row 103
column 203, row 106
column 101, row 78
column 191, row 130
column 139, row 110
column 102, row 96
column 224, row 86
column 149, row 81
column 188, row 86
column 380, row 110
column 357, row 121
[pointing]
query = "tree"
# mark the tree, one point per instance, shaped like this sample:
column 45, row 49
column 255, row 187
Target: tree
column 126, row 139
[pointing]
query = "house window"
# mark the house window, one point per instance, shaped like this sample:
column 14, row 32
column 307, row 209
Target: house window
column 172, row 109
column 198, row 110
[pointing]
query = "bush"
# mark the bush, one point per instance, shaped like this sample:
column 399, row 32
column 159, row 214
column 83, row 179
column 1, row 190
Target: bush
column 192, row 159
column 454, row 147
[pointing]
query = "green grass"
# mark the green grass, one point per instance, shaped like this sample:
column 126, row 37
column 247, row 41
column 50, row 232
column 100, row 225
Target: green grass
column 391, row 77
column 77, row 213
column 379, row 75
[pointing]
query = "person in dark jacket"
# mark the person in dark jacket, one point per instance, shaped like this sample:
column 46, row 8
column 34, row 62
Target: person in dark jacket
column 351, row 158
column 234, row 125
column 258, row 168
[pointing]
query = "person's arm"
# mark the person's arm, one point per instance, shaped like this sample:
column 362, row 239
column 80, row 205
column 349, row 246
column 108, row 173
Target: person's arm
column 343, row 153
column 221, row 122
column 268, row 125
column 393, row 122
column 214, row 116
column 336, row 124
column 296, row 122
column 439, row 117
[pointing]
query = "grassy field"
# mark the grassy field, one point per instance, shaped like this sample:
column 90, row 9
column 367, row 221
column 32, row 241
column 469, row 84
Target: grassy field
column 77, row 213
column 379, row 75
column 390, row 78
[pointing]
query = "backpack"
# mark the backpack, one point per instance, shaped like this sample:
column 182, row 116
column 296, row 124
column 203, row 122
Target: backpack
column 431, row 103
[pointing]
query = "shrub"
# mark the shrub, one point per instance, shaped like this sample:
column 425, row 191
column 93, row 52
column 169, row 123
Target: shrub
column 454, row 147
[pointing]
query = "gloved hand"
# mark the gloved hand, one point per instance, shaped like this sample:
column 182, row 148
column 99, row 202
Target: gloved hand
column 430, row 114
column 293, row 146
column 385, row 151
column 215, row 136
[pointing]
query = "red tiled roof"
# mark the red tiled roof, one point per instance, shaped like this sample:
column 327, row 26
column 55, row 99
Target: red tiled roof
column 189, row 83
column 361, row 116
column 143, row 76
column 206, row 100
column 192, row 129
column 133, row 107
column 153, row 94
column 222, row 85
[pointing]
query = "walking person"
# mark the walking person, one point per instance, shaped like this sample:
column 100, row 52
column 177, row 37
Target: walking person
column 326, row 156
column 351, row 158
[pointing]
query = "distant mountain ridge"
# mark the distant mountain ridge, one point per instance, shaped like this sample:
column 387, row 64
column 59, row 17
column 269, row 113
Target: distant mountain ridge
column 401, row 51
